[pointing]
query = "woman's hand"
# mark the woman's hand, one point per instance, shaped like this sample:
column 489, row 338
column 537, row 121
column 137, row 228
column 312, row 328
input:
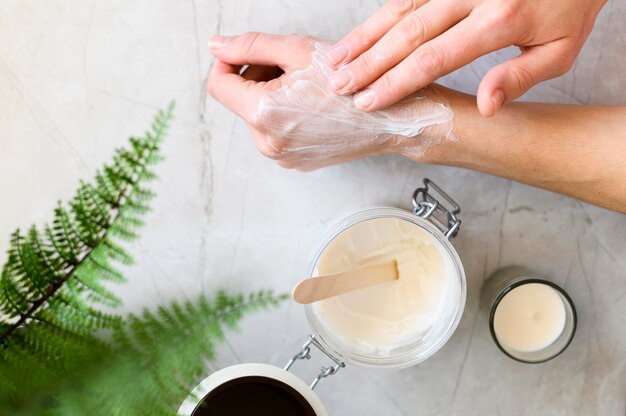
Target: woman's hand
column 408, row 44
column 296, row 119
column 285, row 98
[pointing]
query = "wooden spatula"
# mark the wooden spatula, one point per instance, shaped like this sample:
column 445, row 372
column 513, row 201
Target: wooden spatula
column 323, row 287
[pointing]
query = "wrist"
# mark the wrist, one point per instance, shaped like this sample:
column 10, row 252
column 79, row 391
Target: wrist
column 449, row 146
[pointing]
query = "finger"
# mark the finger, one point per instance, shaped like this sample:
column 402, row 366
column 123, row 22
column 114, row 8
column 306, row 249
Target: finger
column 423, row 24
column 511, row 79
column 366, row 34
column 456, row 47
column 233, row 91
column 255, row 48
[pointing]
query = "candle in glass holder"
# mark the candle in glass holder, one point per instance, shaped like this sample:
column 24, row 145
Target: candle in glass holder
column 531, row 319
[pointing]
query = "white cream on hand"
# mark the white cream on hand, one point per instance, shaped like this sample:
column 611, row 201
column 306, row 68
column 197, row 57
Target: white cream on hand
column 390, row 316
column 529, row 318
column 306, row 121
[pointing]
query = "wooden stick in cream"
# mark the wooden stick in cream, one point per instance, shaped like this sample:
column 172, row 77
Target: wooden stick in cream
column 318, row 288
column 389, row 316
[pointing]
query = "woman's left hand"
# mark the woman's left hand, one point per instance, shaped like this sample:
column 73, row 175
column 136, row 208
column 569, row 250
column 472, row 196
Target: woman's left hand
column 285, row 98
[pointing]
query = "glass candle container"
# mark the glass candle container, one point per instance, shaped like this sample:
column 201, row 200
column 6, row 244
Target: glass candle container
column 531, row 319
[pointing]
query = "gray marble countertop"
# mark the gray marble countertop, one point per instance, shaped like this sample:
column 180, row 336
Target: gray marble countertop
column 78, row 77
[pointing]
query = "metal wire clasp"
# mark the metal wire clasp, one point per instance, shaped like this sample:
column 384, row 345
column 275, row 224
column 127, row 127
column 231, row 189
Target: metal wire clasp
column 305, row 353
column 431, row 209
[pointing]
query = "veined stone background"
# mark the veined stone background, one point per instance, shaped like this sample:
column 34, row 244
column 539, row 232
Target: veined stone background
column 77, row 78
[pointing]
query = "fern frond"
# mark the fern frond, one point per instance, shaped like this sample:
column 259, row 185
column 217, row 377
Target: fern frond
column 159, row 356
column 52, row 278
column 59, row 354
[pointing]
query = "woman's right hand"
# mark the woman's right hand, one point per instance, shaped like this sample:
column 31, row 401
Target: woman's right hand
column 408, row 44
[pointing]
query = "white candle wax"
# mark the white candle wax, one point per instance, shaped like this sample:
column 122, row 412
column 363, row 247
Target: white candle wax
column 529, row 318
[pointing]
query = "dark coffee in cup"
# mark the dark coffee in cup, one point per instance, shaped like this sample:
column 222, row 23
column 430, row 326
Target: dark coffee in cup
column 253, row 396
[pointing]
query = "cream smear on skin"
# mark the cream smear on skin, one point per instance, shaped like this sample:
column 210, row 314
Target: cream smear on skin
column 387, row 317
column 316, row 123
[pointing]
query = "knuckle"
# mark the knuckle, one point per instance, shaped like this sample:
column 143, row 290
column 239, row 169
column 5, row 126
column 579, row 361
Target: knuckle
column 268, row 120
column 564, row 65
column 563, row 56
column 366, row 63
column 388, row 84
column 301, row 41
column 507, row 13
column 400, row 8
column 273, row 148
column 363, row 36
column 257, row 120
column 412, row 29
column 249, row 41
column 430, row 58
column 523, row 78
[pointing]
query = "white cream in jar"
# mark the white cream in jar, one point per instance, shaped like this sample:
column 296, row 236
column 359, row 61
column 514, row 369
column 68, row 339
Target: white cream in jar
column 391, row 316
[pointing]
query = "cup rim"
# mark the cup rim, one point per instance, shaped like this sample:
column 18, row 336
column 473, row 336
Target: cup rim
column 516, row 284
column 236, row 371
column 409, row 358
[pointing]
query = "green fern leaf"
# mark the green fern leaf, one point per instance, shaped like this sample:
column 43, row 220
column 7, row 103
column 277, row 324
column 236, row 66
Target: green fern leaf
column 52, row 279
column 159, row 356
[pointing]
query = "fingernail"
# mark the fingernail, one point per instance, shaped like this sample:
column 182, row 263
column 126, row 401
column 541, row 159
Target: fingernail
column 340, row 79
column 364, row 99
column 217, row 42
column 498, row 99
column 338, row 53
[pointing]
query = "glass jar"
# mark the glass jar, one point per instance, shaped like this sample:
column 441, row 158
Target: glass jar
column 435, row 213
column 449, row 315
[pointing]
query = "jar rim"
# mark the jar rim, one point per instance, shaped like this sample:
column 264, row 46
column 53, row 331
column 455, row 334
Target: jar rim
column 422, row 351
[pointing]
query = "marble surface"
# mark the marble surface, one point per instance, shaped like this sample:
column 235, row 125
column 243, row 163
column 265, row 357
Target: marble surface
column 78, row 77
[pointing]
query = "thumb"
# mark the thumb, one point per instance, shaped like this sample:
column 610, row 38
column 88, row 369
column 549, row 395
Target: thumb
column 512, row 78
